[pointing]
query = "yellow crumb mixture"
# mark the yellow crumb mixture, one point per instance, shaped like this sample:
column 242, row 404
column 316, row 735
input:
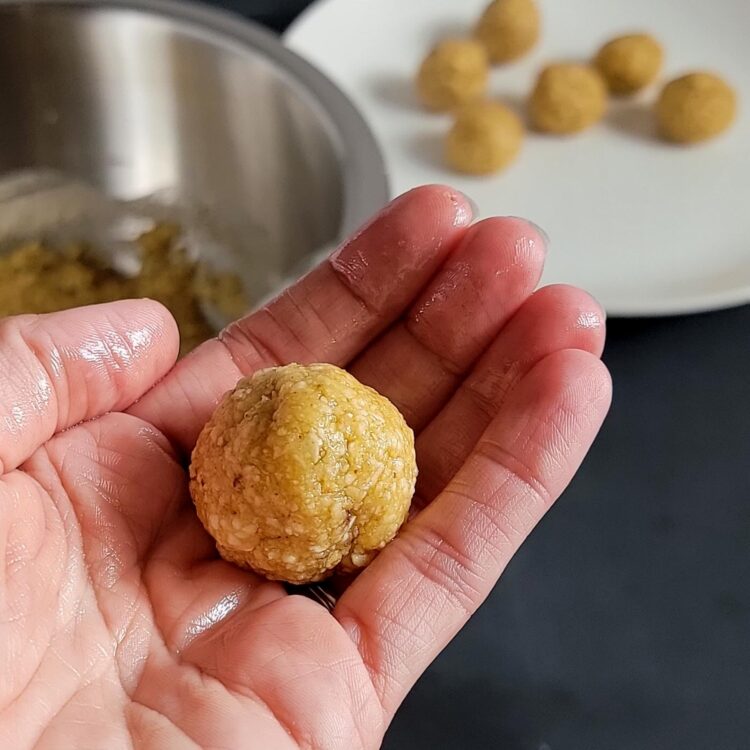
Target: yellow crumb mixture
column 37, row 278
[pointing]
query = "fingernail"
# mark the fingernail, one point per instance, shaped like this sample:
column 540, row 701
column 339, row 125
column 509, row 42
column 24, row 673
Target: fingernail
column 539, row 230
column 474, row 206
column 601, row 308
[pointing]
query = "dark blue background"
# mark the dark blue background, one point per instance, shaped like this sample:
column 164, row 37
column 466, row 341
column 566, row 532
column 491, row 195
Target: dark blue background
column 624, row 622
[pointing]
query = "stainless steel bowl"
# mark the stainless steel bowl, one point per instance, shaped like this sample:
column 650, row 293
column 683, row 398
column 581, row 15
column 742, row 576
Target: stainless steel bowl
column 196, row 109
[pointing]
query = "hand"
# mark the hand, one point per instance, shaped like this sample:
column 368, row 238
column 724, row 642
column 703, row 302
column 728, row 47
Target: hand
column 119, row 625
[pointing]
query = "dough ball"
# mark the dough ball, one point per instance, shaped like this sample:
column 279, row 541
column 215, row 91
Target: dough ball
column 302, row 471
column 630, row 63
column 509, row 29
column 567, row 98
column 456, row 71
column 695, row 108
column 485, row 137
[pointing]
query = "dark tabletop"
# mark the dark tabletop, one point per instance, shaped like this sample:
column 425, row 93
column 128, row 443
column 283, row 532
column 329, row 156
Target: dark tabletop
column 624, row 622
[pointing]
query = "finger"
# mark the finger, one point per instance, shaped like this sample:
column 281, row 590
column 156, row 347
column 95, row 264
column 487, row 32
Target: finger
column 291, row 656
column 329, row 316
column 420, row 361
column 127, row 487
column 190, row 587
column 421, row 590
column 186, row 580
column 553, row 319
column 60, row 369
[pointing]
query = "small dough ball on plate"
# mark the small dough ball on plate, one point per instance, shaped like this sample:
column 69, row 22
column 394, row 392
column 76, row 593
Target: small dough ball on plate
column 303, row 471
column 485, row 137
column 630, row 63
column 695, row 108
column 567, row 98
column 509, row 29
column 455, row 72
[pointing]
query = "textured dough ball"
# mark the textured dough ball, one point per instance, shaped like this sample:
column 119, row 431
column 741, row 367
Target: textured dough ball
column 302, row 471
column 630, row 63
column 485, row 137
column 456, row 71
column 567, row 98
column 509, row 29
column 695, row 108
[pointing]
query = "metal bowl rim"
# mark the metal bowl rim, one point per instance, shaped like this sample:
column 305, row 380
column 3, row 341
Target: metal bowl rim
column 366, row 185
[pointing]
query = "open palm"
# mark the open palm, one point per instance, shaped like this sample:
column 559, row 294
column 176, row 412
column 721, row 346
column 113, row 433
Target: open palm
column 119, row 625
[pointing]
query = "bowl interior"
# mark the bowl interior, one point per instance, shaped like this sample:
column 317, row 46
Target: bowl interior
column 151, row 105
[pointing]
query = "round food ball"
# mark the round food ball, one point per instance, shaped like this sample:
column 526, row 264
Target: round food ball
column 695, row 108
column 485, row 137
column 303, row 471
column 630, row 63
column 567, row 98
column 509, row 29
column 456, row 71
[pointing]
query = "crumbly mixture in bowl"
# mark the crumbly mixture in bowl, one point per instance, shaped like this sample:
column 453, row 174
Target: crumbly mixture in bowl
column 38, row 278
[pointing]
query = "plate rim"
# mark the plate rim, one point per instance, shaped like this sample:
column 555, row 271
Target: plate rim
column 683, row 305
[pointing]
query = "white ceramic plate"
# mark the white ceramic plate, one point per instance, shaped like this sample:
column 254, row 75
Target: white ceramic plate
column 648, row 228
